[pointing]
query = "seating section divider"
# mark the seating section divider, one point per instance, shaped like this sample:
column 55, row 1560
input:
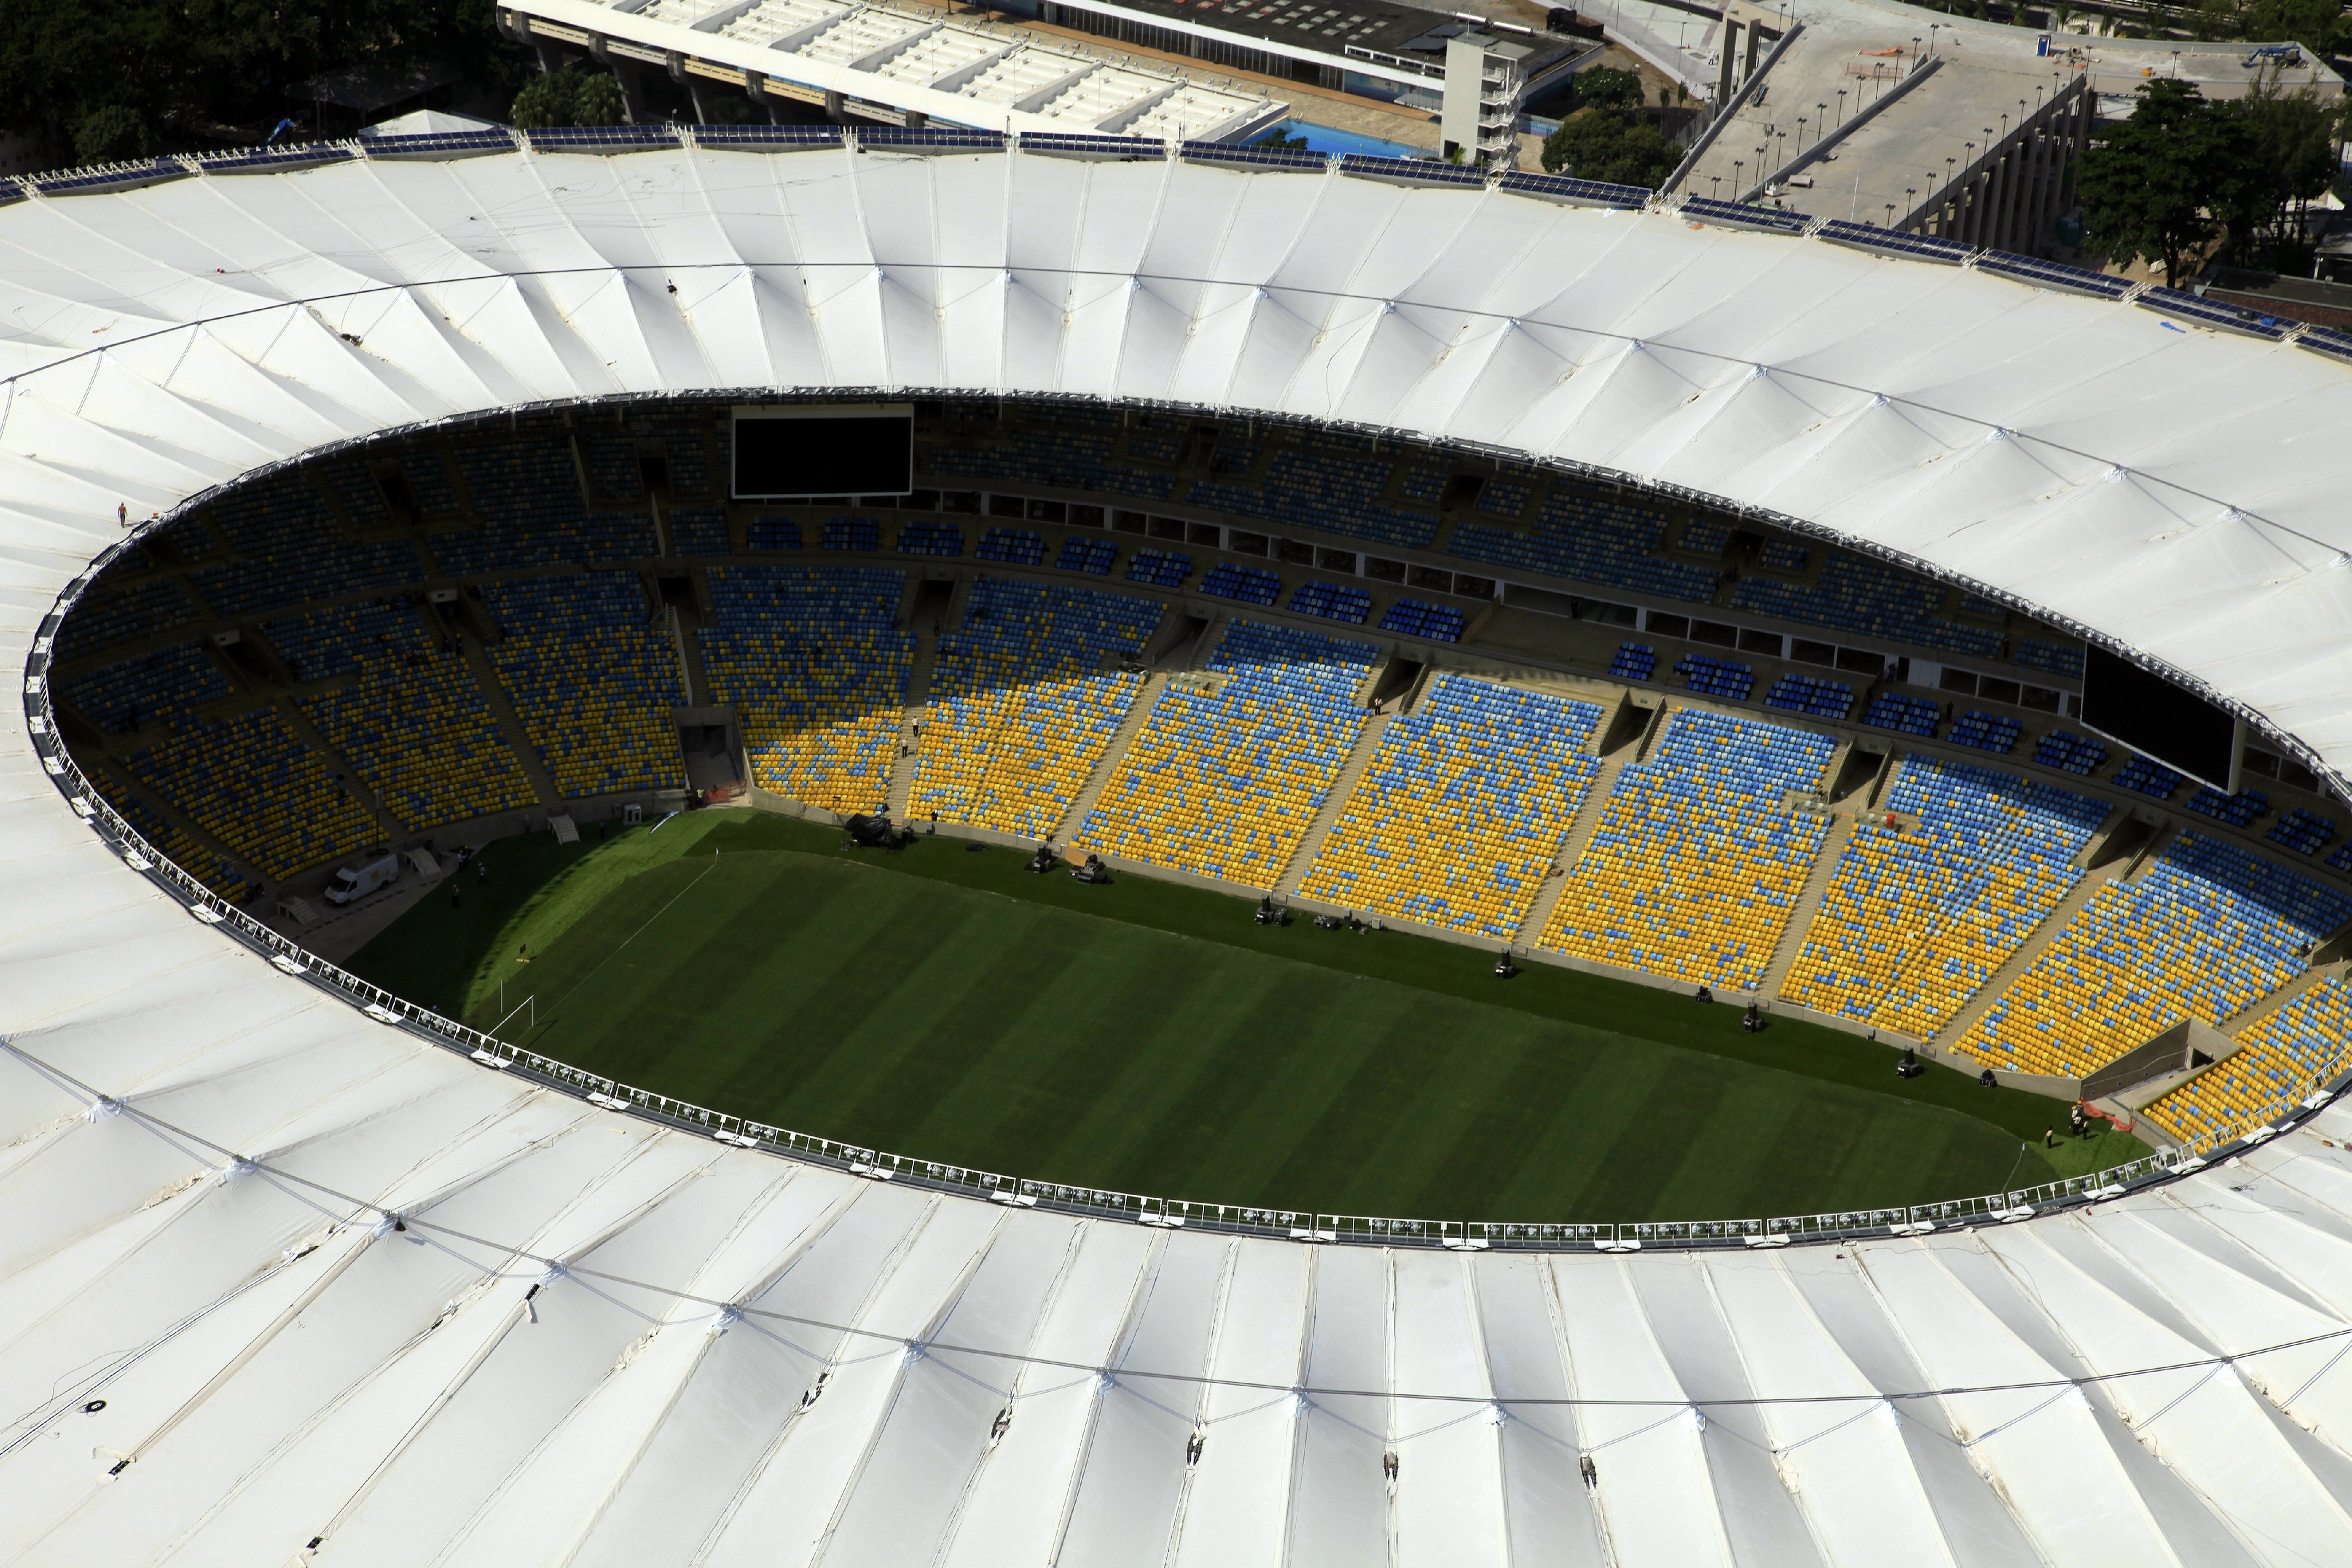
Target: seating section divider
column 1455, row 822
column 2203, row 932
column 1227, row 774
column 1926, row 907
column 1696, row 864
column 1024, row 698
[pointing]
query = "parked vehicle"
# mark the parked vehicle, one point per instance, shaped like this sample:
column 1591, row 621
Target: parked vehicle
column 358, row 881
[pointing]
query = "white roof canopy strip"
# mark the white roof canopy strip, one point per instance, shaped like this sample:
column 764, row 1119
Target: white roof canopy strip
column 272, row 1275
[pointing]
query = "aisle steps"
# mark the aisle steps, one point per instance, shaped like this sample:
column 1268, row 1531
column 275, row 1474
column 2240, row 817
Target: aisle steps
column 2072, row 904
column 1809, row 903
column 1351, row 771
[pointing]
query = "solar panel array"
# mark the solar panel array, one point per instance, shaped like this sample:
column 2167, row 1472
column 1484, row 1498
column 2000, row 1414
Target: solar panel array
column 1064, row 145
column 928, row 139
column 1255, row 157
column 1421, row 171
column 2330, row 340
column 2052, row 274
column 270, row 161
column 1738, row 214
column 1564, row 188
column 600, row 138
column 757, row 136
column 439, row 145
column 2210, row 313
column 1895, row 242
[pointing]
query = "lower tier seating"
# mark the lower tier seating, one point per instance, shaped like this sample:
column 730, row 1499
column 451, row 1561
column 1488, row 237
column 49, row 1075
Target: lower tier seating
column 1457, row 820
column 592, row 678
column 1925, row 909
column 1024, row 698
column 2204, row 933
column 816, row 667
column 2295, row 1051
column 1695, row 865
column 1232, row 766
column 410, row 717
column 249, row 782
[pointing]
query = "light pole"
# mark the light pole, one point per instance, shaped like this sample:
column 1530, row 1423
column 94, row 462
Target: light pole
column 1801, row 136
column 1841, row 97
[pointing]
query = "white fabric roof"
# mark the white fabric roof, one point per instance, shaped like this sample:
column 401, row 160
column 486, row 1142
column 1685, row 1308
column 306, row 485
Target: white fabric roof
column 594, row 1342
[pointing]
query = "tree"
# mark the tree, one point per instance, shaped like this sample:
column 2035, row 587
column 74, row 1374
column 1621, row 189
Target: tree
column 1604, row 144
column 1605, row 87
column 208, row 72
column 566, row 97
column 2161, row 184
column 110, row 134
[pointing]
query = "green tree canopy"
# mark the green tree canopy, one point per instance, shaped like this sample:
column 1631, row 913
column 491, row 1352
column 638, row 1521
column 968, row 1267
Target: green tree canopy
column 191, row 70
column 1605, row 87
column 1602, row 144
column 568, row 97
column 2164, row 183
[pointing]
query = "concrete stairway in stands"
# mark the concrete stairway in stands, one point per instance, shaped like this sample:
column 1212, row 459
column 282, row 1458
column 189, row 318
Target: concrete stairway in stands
column 511, row 724
column 2239, row 1023
column 1809, row 903
column 910, row 715
column 1571, row 845
column 1113, row 754
column 1977, row 1006
column 1351, row 771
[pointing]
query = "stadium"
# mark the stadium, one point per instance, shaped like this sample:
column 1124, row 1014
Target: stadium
column 1107, row 851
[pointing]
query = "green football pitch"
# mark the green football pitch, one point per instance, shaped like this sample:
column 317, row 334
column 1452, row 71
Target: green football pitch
column 944, row 1003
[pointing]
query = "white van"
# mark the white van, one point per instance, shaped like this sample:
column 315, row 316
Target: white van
column 358, row 881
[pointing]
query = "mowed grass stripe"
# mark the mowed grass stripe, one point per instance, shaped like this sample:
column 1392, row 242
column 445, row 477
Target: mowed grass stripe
column 905, row 1013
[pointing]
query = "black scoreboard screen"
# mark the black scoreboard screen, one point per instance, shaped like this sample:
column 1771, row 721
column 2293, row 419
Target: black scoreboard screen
column 2159, row 720
column 789, row 453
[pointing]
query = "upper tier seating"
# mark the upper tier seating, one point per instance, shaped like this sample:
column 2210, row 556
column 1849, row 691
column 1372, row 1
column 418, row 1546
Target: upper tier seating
column 813, row 660
column 162, row 685
column 1022, row 705
column 2070, row 753
column 1813, row 694
column 1458, row 818
column 527, row 492
column 698, row 530
column 1093, row 557
column 1229, row 770
column 1875, row 598
column 1060, row 458
column 1013, row 546
column 1716, row 676
column 2240, row 810
column 1590, row 538
column 249, row 782
column 1695, row 864
column 2290, row 1054
column 289, row 547
column 1634, row 661
column 2203, row 933
column 2148, row 778
column 1332, row 601
column 111, row 614
column 1986, row 732
column 1250, row 584
column 1900, row 711
column 592, row 678
column 1415, row 618
column 2305, row 832
column 1335, row 491
column 1924, row 909
column 410, row 717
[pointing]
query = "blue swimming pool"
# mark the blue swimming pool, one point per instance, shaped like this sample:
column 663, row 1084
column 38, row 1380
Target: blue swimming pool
column 1326, row 139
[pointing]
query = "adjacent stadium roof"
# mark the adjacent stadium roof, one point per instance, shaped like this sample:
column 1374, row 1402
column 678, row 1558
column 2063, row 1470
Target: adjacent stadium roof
column 281, row 1282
